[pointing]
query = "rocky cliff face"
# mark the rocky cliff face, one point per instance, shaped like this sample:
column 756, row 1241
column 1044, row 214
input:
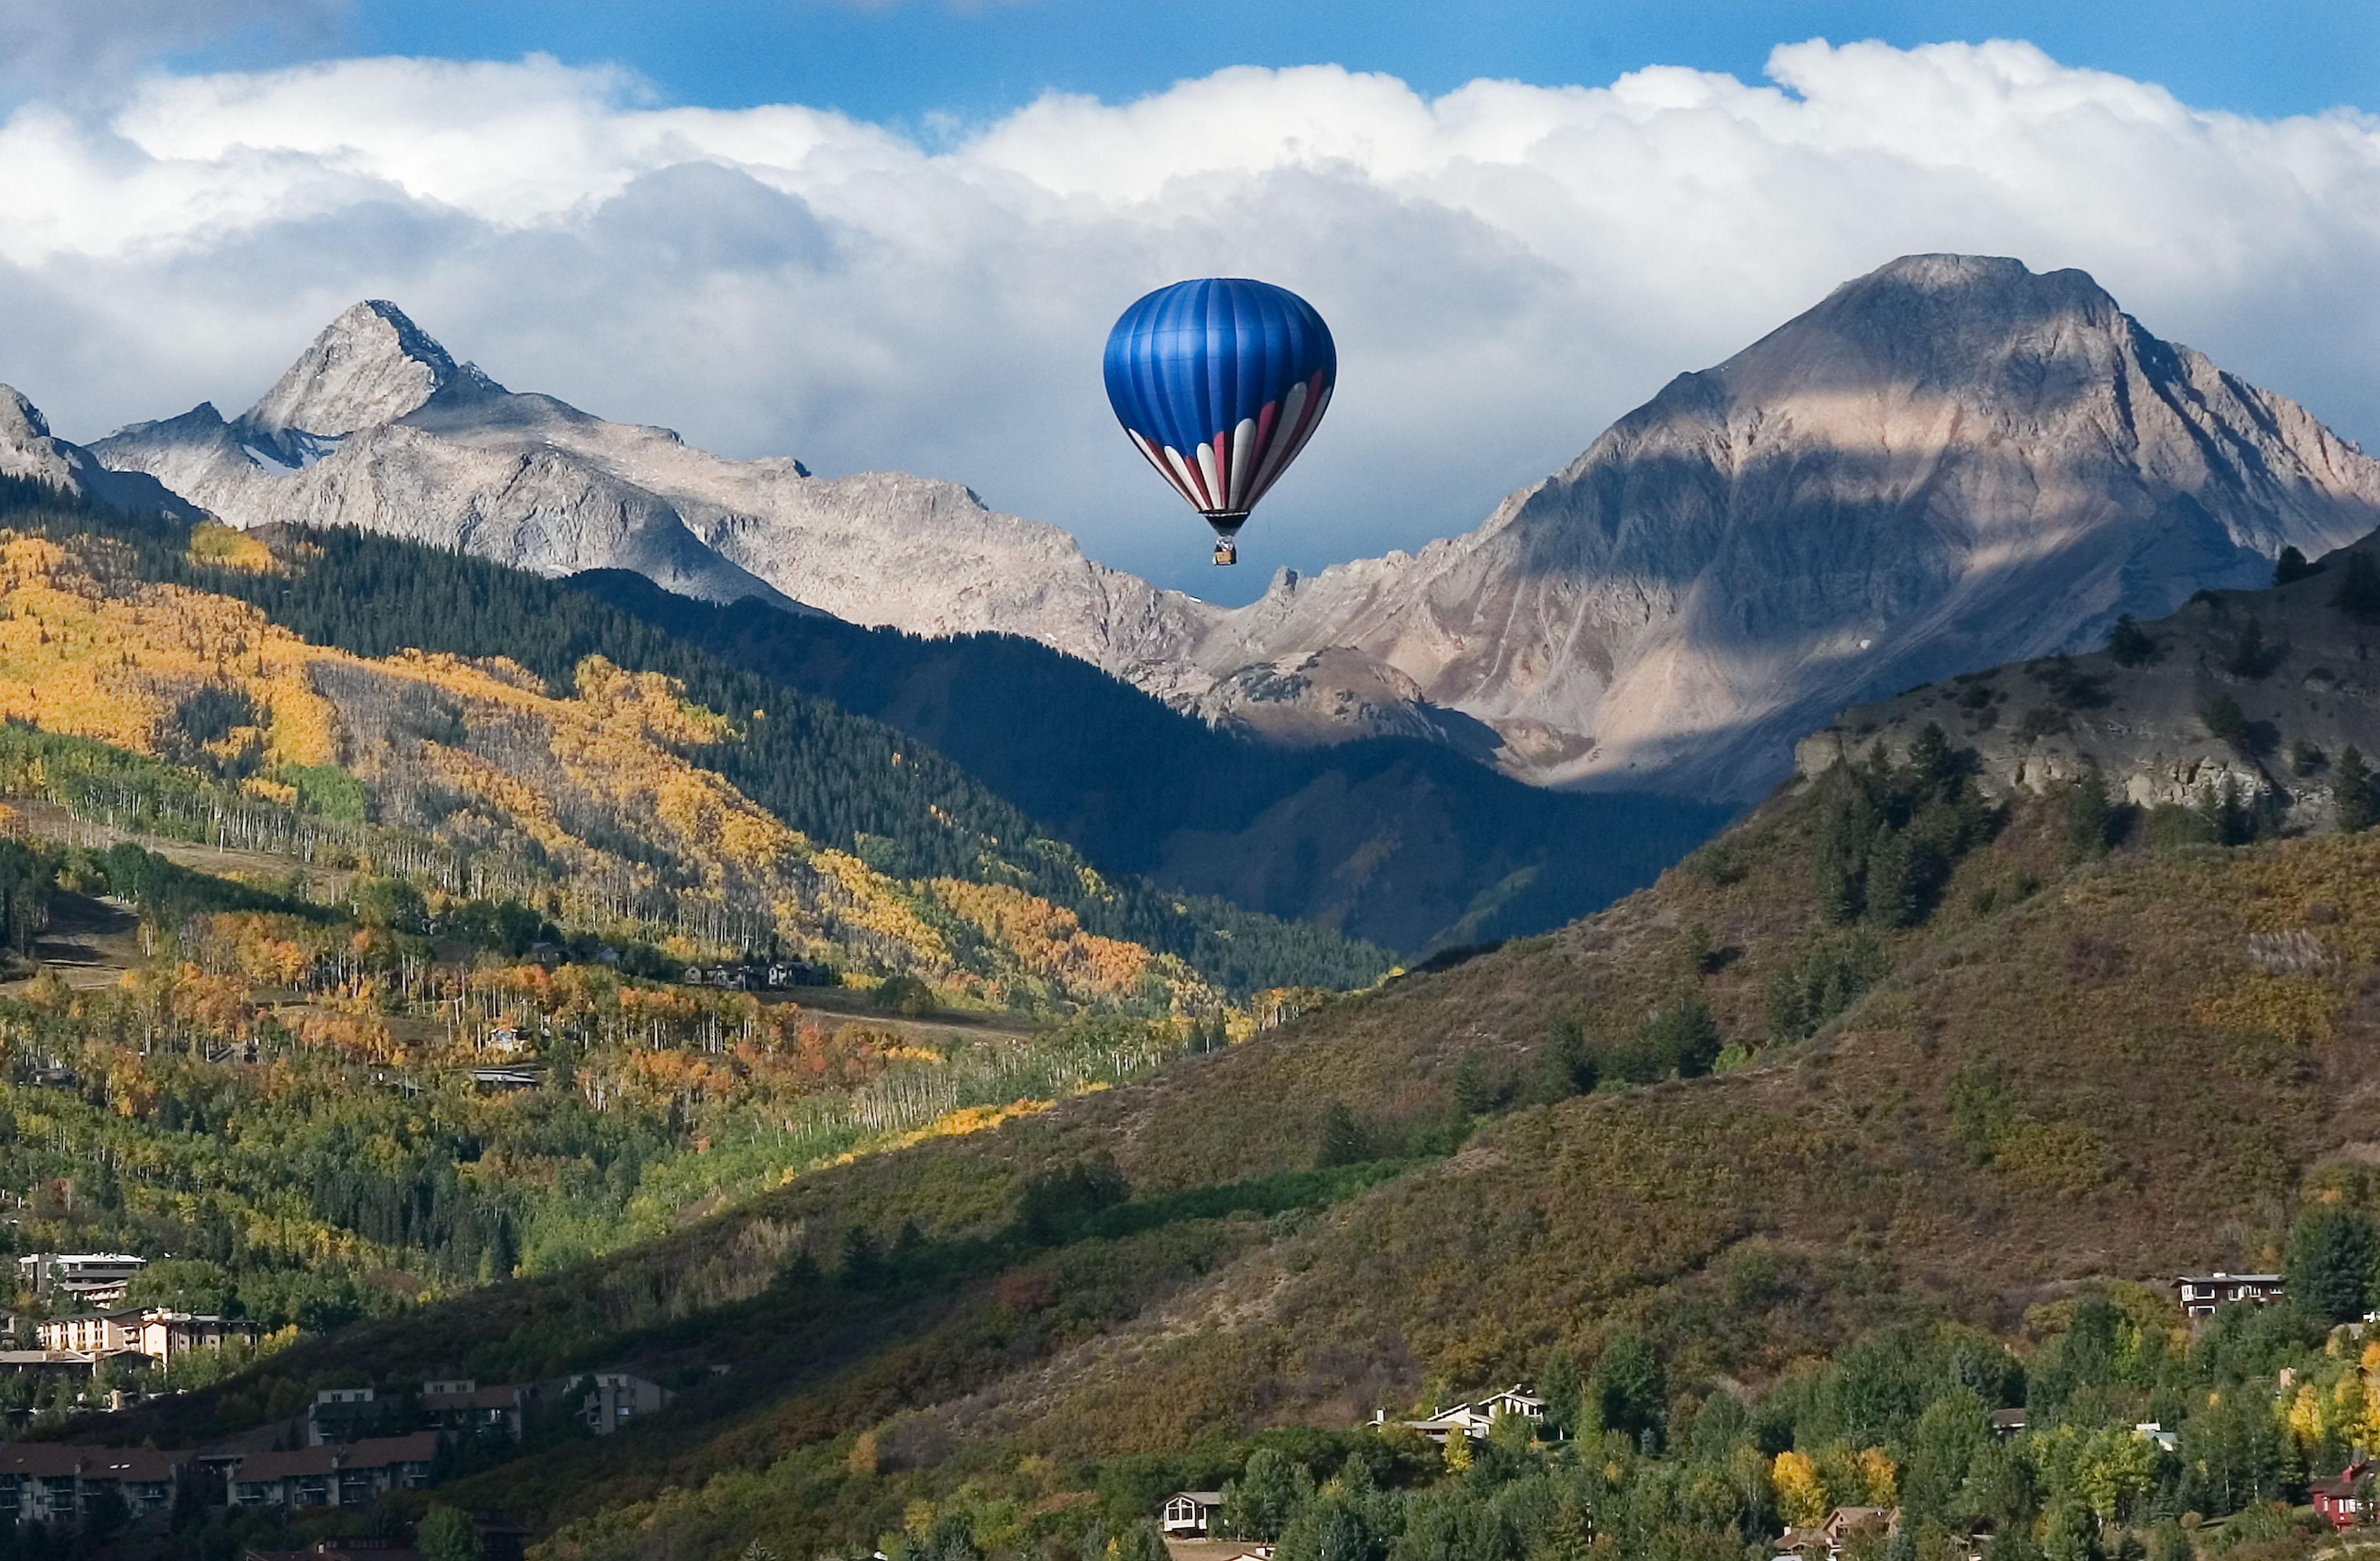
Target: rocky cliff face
column 2264, row 690
column 1951, row 463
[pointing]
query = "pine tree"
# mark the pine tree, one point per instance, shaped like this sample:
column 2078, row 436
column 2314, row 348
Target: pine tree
column 1692, row 1037
column 2291, row 567
column 2250, row 657
column 2089, row 816
column 2330, row 1262
column 1932, row 765
column 2226, row 722
column 2358, row 592
column 2131, row 644
column 1560, row 1387
column 2351, row 785
column 1565, row 1068
column 1892, row 888
column 1630, row 1387
column 1343, row 1141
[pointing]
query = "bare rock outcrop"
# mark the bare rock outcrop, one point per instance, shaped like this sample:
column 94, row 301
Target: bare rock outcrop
column 2262, row 692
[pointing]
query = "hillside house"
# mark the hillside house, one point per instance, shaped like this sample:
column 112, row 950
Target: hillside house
column 57, row 1484
column 1514, row 1401
column 2007, row 1423
column 88, row 1281
column 343, row 1547
column 1843, row 1524
column 1189, row 1514
column 348, row 1414
column 619, row 1398
column 1474, row 1418
column 356, row 1475
column 2202, row 1293
column 95, row 1332
column 462, row 1406
column 2342, row 1498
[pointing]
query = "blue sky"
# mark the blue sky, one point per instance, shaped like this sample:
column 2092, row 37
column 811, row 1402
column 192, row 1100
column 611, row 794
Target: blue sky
column 870, row 236
column 903, row 60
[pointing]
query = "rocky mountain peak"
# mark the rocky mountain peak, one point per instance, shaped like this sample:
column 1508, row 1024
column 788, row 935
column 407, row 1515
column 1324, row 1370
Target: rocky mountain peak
column 28, row 450
column 1969, row 325
column 20, row 420
column 371, row 365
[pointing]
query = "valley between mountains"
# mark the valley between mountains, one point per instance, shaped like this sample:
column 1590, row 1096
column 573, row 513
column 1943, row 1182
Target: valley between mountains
column 1773, row 953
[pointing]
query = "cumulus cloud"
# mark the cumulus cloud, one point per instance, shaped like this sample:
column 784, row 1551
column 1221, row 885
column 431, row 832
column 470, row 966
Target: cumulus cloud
column 84, row 46
column 1506, row 267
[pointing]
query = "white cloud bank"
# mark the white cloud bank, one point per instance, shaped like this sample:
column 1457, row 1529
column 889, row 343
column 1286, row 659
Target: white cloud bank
column 1507, row 268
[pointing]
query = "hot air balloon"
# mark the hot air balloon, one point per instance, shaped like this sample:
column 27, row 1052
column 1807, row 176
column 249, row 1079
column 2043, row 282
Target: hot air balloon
column 1221, row 383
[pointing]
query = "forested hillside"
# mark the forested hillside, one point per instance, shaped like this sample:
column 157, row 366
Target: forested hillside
column 285, row 1099
column 1891, row 1107
column 868, row 819
column 1403, row 842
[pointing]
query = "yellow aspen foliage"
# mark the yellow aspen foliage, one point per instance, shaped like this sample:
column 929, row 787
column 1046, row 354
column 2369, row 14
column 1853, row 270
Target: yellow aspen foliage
column 2305, row 1418
column 228, row 549
column 2355, row 1411
column 87, row 650
column 1881, row 1476
column 1458, row 1451
column 1800, row 1497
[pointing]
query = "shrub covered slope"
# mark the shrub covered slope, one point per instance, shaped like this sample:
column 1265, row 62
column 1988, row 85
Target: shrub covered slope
column 1885, row 1060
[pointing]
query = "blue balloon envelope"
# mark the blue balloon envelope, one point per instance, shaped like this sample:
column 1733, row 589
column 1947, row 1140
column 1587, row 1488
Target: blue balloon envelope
column 1221, row 383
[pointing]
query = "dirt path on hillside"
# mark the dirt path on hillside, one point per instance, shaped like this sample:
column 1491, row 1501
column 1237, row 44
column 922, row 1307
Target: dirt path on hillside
column 90, row 942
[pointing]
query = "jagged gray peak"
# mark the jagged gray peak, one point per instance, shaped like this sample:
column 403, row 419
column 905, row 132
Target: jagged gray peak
column 371, row 365
column 459, row 462
column 29, row 451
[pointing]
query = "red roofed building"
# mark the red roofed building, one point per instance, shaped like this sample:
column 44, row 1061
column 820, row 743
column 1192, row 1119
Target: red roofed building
column 2341, row 1498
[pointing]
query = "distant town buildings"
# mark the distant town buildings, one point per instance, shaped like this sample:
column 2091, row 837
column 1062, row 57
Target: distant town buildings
column 461, row 1405
column 360, row 1442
